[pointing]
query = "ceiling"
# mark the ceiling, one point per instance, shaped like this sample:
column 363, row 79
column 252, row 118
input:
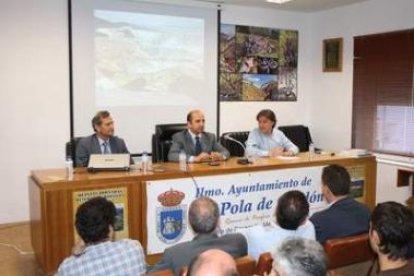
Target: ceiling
column 295, row 5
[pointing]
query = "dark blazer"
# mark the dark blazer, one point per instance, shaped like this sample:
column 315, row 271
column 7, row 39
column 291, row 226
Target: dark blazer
column 183, row 141
column 90, row 145
column 346, row 217
column 180, row 255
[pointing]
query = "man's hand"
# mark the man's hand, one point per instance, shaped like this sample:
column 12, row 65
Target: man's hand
column 288, row 153
column 276, row 152
column 202, row 157
column 216, row 156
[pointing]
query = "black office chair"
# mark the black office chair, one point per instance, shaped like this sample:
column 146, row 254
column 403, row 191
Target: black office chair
column 299, row 135
column 162, row 140
column 234, row 148
column 70, row 148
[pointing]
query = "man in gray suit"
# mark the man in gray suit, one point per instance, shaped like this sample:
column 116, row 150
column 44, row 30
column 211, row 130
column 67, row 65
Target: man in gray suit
column 203, row 217
column 199, row 146
column 102, row 142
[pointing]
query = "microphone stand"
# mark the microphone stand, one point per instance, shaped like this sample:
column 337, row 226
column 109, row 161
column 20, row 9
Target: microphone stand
column 243, row 160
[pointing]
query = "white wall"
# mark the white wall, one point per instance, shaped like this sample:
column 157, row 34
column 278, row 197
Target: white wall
column 331, row 96
column 242, row 115
column 34, row 97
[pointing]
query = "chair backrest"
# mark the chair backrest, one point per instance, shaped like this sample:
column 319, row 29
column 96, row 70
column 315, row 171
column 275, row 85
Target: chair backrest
column 165, row 272
column 264, row 264
column 234, row 148
column 70, row 147
column 348, row 250
column 162, row 140
column 245, row 266
column 299, row 135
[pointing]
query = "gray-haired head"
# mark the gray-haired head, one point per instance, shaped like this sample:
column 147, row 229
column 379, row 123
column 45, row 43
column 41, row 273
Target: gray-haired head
column 203, row 215
column 300, row 256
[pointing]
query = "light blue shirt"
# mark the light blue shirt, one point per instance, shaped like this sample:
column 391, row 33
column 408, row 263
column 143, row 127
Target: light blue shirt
column 101, row 144
column 260, row 144
column 261, row 239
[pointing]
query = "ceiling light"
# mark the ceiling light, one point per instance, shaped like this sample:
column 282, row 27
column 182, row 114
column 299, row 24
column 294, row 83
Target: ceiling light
column 278, row 1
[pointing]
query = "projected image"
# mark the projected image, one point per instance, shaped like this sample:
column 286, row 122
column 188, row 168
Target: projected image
column 146, row 59
column 265, row 59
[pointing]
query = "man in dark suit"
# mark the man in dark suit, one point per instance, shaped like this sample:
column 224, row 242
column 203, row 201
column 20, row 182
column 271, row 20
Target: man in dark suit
column 344, row 216
column 198, row 145
column 102, row 142
column 203, row 217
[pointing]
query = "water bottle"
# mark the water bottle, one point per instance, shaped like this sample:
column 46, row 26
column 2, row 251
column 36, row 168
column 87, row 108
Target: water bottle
column 182, row 158
column 311, row 151
column 69, row 168
column 144, row 162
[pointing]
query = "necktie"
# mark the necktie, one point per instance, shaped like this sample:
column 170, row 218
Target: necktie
column 197, row 146
column 105, row 148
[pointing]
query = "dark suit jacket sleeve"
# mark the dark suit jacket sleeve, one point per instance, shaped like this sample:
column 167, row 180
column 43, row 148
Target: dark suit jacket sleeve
column 320, row 234
column 164, row 263
column 219, row 148
column 122, row 146
column 82, row 152
column 176, row 147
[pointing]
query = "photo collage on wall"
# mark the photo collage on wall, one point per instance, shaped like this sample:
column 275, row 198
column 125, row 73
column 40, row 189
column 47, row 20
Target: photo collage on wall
column 258, row 64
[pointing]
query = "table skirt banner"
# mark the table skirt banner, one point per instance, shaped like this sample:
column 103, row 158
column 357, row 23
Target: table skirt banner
column 244, row 200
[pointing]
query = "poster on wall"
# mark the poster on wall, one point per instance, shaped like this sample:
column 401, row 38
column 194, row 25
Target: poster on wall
column 119, row 196
column 244, row 200
column 258, row 64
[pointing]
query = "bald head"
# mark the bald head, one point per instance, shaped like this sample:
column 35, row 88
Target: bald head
column 213, row 262
column 195, row 121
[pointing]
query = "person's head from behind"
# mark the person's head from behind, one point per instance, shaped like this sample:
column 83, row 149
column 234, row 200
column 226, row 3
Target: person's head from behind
column 195, row 121
column 391, row 230
column 95, row 220
column 103, row 125
column 267, row 120
column 203, row 215
column 299, row 256
column 336, row 182
column 213, row 262
column 292, row 210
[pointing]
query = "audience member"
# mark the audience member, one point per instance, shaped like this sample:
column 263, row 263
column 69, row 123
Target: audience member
column 200, row 146
column 344, row 215
column 203, row 217
column 391, row 231
column 410, row 204
column 213, row 262
column 101, row 255
column 291, row 221
column 299, row 256
column 102, row 141
column 268, row 141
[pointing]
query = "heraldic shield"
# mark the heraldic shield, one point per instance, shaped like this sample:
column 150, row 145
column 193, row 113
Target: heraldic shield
column 171, row 217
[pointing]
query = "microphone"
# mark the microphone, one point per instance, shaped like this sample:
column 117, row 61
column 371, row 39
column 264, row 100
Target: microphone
column 243, row 160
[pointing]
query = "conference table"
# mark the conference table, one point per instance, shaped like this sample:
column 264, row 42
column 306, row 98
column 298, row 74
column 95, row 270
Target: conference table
column 152, row 206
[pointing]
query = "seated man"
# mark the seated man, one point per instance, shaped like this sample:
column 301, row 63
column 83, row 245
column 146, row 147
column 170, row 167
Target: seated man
column 102, row 142
column 291, row 221
column 391, row 231
column 203, row 217
column 99, row 254
column 344, row 216
column 213, row 262
column 268, row 141
column 199, row 146
column 299, row 256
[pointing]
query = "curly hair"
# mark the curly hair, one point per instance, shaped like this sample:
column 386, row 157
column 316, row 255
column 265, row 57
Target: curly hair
column 93, row 219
